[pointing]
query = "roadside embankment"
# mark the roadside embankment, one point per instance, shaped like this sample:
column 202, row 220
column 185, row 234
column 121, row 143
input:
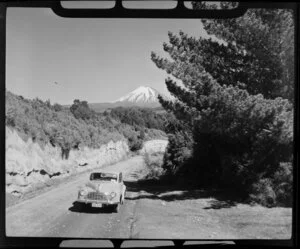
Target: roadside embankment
column 28, row 165
column 154, row 146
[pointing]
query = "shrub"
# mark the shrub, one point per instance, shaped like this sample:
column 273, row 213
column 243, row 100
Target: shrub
column 135, row 143
column 178, row 152
column 134, row 138
column 234, row 174
column 138, row 116
column 154, row 162
column 80, row 109
column 57, row 107
column 263, row 193
column 283, row 184
column 10, row 121
column 155, row 134
column 276, row 190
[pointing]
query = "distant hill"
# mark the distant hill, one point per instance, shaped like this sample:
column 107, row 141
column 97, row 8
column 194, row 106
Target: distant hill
column 102, row 107
column 45, row 123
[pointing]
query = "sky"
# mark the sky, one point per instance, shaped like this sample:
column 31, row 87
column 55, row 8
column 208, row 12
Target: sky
column 97, row 60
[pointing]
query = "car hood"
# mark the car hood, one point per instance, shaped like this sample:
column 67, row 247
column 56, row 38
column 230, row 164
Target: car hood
column 102, row 186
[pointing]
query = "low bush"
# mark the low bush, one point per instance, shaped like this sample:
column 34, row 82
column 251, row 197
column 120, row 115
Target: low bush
column 155, row 134
column 177, row 153
column 135, row 143
column 142, row 117
column 154, row 162
column 283, row 184
column 263, row 193
column 275, row 191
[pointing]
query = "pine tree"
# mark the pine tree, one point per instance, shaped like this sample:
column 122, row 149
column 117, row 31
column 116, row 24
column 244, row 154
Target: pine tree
column 261, row 50
column 226, row 97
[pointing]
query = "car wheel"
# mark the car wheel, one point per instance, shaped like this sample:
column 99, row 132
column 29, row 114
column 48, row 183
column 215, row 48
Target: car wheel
column 80, row 205
column 77, row 205
column 87, row 206
column 116, row 208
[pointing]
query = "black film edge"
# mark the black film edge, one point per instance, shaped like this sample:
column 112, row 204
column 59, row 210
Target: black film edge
column 120, row 12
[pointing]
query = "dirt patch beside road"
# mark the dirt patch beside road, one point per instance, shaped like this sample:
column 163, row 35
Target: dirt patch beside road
column 173, row 213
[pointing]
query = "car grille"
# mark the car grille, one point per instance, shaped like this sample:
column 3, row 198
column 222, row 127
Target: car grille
column 96, row 196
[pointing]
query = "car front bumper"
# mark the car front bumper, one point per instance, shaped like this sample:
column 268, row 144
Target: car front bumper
column 98, row 199
column 87, row 201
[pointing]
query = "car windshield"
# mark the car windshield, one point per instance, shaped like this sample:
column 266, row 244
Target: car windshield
column 103, row 176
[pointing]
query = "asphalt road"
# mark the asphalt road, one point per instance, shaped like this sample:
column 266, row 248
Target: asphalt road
column 149, row 212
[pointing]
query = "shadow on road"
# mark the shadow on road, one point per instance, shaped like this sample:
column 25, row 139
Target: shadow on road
column 83, row 208
column 149, row 189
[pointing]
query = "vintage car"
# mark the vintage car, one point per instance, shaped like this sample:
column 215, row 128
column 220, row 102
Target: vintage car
column 103, row 189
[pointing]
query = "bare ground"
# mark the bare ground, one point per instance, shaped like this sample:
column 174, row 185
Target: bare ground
column 149, row 212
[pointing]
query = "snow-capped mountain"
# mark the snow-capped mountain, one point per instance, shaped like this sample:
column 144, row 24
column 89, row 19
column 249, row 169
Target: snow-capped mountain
column 141, row 95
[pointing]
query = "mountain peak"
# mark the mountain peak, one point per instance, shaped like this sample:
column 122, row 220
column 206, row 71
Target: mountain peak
column 144, row 88
column 142, row 94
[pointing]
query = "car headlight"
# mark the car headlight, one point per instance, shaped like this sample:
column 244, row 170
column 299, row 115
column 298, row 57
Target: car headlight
column 83, row 192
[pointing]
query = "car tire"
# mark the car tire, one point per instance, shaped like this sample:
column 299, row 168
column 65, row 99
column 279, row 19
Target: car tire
column 80, row 205
column 115, row 208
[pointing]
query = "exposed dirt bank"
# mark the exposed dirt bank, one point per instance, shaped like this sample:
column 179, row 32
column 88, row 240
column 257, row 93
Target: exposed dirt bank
column 28, row 166
column 153, row 146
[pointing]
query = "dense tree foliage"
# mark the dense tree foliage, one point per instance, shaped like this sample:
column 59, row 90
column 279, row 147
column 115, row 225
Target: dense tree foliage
column 142, row 117
column 259, row 53
column 229, row 102
column 80, row 109
column 71, row 127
